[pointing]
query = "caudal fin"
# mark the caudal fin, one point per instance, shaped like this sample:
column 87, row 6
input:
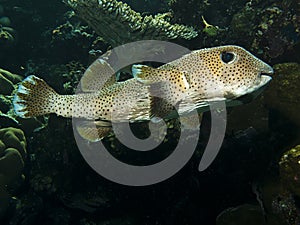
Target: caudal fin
column 34, row 97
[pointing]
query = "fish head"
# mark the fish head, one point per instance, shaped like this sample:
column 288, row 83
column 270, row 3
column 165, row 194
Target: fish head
column 230, row 72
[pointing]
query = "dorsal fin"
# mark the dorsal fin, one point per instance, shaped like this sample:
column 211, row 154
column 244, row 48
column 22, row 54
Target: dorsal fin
column 99, row 75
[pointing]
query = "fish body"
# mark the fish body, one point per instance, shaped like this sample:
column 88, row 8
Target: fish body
column 192, row 81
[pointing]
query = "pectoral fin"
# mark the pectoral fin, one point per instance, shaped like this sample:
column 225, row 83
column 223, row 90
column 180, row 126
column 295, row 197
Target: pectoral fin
column 93, row 131
column 148, row 75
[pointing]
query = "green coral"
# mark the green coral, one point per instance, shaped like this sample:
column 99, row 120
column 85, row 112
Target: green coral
column 7, row 36
column 12, row 155
column 209, row 29
column 117, row 23
column 7, row 81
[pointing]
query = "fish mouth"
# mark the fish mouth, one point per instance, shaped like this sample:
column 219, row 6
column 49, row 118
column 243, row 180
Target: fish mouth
column 264, row 79
column 267, row 70
column 265, row 75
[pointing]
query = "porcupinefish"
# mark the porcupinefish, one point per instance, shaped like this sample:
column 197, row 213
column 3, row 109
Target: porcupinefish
column 223, row 73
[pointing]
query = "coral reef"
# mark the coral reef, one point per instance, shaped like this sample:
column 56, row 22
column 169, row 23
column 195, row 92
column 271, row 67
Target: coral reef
column 273, row 29
column 13, row 152
column 58, row 45
column 126, row 25
column 270, row 29
column 12, row 156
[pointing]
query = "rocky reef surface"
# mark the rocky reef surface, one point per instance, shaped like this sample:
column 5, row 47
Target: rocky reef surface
column 254, row 179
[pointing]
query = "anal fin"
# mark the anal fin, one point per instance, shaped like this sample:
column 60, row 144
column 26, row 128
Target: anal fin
column 93, row 131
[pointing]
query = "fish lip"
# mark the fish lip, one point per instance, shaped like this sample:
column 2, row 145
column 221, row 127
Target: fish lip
column 265, row 78
column 265, row 74
column 267, row 71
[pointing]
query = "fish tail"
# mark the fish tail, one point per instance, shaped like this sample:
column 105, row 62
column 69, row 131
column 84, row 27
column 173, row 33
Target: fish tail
column 34, row 97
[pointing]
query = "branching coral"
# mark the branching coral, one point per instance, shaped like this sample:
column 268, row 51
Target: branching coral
column 117, row 23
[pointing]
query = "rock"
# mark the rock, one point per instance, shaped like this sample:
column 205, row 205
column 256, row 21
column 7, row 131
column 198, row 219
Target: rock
column 290, row 170
column 283, row 94
column 244, row 214
column 253, row 114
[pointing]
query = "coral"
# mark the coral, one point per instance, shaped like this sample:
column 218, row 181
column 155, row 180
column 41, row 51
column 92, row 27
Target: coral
column 283, row 93
column 209, row 29
column 271, row 29
column 7, row 33
column 290, row 170
column 67, row 31
column 216, row 11
column 64, row 77
column 6, row 36
column 12, row 152
column 73, row 76
column 117, row 23
column 12, row 156
column 7, row 81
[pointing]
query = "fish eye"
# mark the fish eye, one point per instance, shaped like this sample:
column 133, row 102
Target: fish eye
column 227, row 57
